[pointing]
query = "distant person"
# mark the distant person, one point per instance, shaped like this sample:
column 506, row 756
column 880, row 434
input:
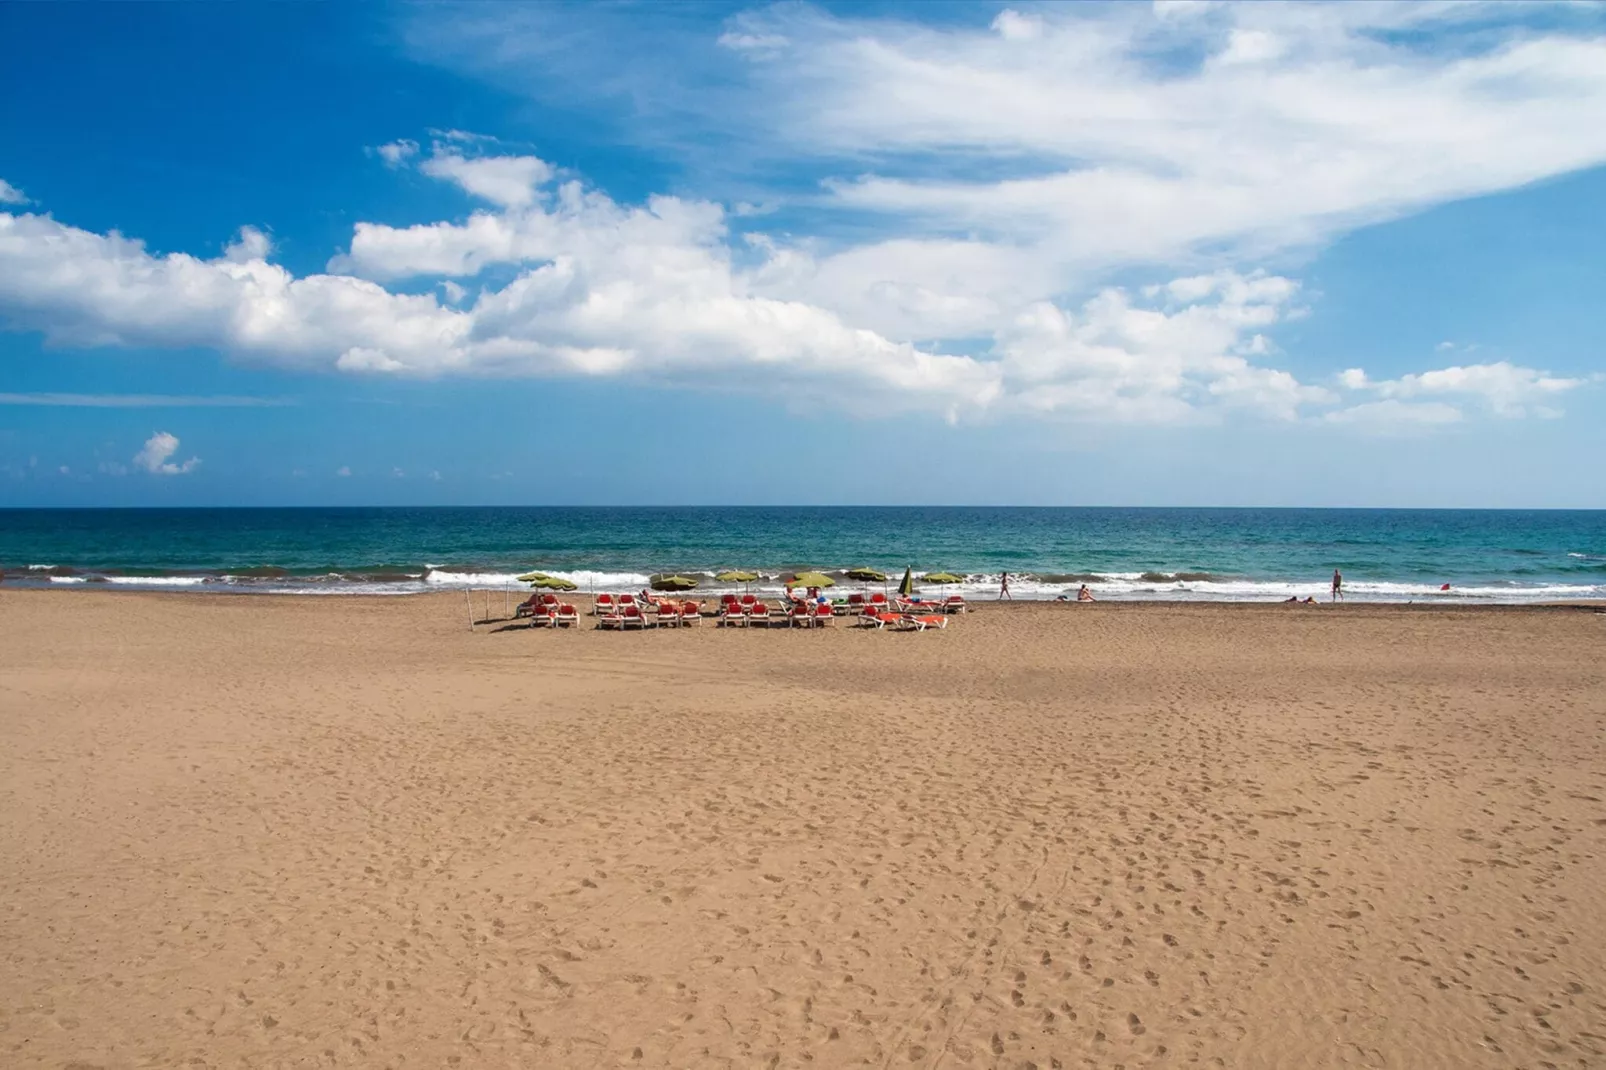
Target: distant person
column 1338, row 586
column 1292, row 598
column 1084, row 595
column 1003, row 587
column 1310, row 599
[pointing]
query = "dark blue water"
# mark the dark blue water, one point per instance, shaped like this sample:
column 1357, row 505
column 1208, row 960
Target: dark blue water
column 1385, row 554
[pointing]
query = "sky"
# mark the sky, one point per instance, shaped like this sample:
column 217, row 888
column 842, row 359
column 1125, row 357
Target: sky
column 1170, row 253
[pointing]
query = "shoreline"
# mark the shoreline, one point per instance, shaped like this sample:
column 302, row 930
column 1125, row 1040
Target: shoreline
column 709, row 599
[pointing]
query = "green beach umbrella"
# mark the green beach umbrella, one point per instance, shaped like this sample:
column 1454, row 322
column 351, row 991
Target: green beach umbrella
column 907, row 587
column 736, row 576
column 810, row 579
column 941, row 577
column 541, row 581
column 867, row 575
column 663, row 582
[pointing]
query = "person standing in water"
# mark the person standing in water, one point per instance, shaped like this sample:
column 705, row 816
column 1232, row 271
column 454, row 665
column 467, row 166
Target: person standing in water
column 1338, row 586
column 1003, row 587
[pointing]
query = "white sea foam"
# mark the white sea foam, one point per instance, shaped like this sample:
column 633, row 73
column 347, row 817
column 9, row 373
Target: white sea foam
column 64, row 579
column 438, row 578
column 40, row 568
column 157, row 581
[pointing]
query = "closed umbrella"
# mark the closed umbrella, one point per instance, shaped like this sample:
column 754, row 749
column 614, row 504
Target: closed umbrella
column 907, row 587
column 541, row 581
column 664, row 582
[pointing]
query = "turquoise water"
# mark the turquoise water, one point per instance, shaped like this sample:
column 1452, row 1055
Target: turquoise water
column 1385, row 554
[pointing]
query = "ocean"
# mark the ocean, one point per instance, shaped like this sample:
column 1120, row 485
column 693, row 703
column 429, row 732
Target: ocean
column 1395, row 555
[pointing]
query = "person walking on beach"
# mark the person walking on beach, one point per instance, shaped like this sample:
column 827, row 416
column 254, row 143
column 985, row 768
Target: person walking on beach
column 1338, row 586
column 1003, row 587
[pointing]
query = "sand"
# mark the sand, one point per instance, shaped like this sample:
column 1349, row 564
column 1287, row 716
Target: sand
column 299, row 832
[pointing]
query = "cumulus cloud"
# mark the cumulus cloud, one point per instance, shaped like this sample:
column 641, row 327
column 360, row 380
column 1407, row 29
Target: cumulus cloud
column 509, row 181
column 1506, row 389
column 10, row 194
column 397, row 153
column 153, row 456
column 664, row 292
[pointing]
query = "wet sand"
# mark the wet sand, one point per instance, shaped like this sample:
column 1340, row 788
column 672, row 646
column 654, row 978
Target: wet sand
column 297, row 832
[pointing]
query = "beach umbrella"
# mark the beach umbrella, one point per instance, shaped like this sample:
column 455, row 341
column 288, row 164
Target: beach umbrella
column 907, row 587
column 810, row 579
column 541, row 581
column 867, row 575
column 941, row 577
column 662, row 582
column 736, row 576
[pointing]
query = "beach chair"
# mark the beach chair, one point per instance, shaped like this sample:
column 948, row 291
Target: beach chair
column 824, row 614
column 800, row 616
column 541, row 616
column 603, row 606
column 691, row 613
column 882, row 619
column 955, row 604
column 759, row 614
column 626, row 600
column 526, row 607
column 567, row 616
column 614, row 619
column 668, row 615
column 732, row 615
column 633, row 617
column 912, row 622
column 855, row 602
column 748, row 602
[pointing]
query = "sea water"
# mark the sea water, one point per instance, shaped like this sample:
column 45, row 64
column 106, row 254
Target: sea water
column 1191, row 554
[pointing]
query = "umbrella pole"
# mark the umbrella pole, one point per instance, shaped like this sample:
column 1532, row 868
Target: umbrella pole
column 468, row 605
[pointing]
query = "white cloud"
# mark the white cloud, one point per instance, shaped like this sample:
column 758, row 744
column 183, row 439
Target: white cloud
column 251, row 245
column 1506, row 389
column 435, row 477
column 1065, row 140
column 10, row 194
column 64, row 470
column 397, row 153
column 1396, row 414
column 509, row 181
column 661, row 292
column 153, row 456
column 397, row 473
column 343, row 471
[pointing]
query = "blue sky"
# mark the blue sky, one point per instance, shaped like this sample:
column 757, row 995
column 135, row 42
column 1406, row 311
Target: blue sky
column 1162, row 254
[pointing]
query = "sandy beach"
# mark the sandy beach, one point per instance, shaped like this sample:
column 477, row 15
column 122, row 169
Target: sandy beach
column 297, row 832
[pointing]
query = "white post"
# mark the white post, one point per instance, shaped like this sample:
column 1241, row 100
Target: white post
column 469, row 605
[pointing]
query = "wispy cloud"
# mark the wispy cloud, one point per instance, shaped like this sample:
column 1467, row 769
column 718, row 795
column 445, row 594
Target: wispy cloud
column 10, row 194
column 143, row 401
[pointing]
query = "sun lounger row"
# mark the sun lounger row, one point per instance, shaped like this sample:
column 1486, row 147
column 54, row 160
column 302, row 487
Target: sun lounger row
column 545, row 611
column 748, row 612
column 662, row 614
